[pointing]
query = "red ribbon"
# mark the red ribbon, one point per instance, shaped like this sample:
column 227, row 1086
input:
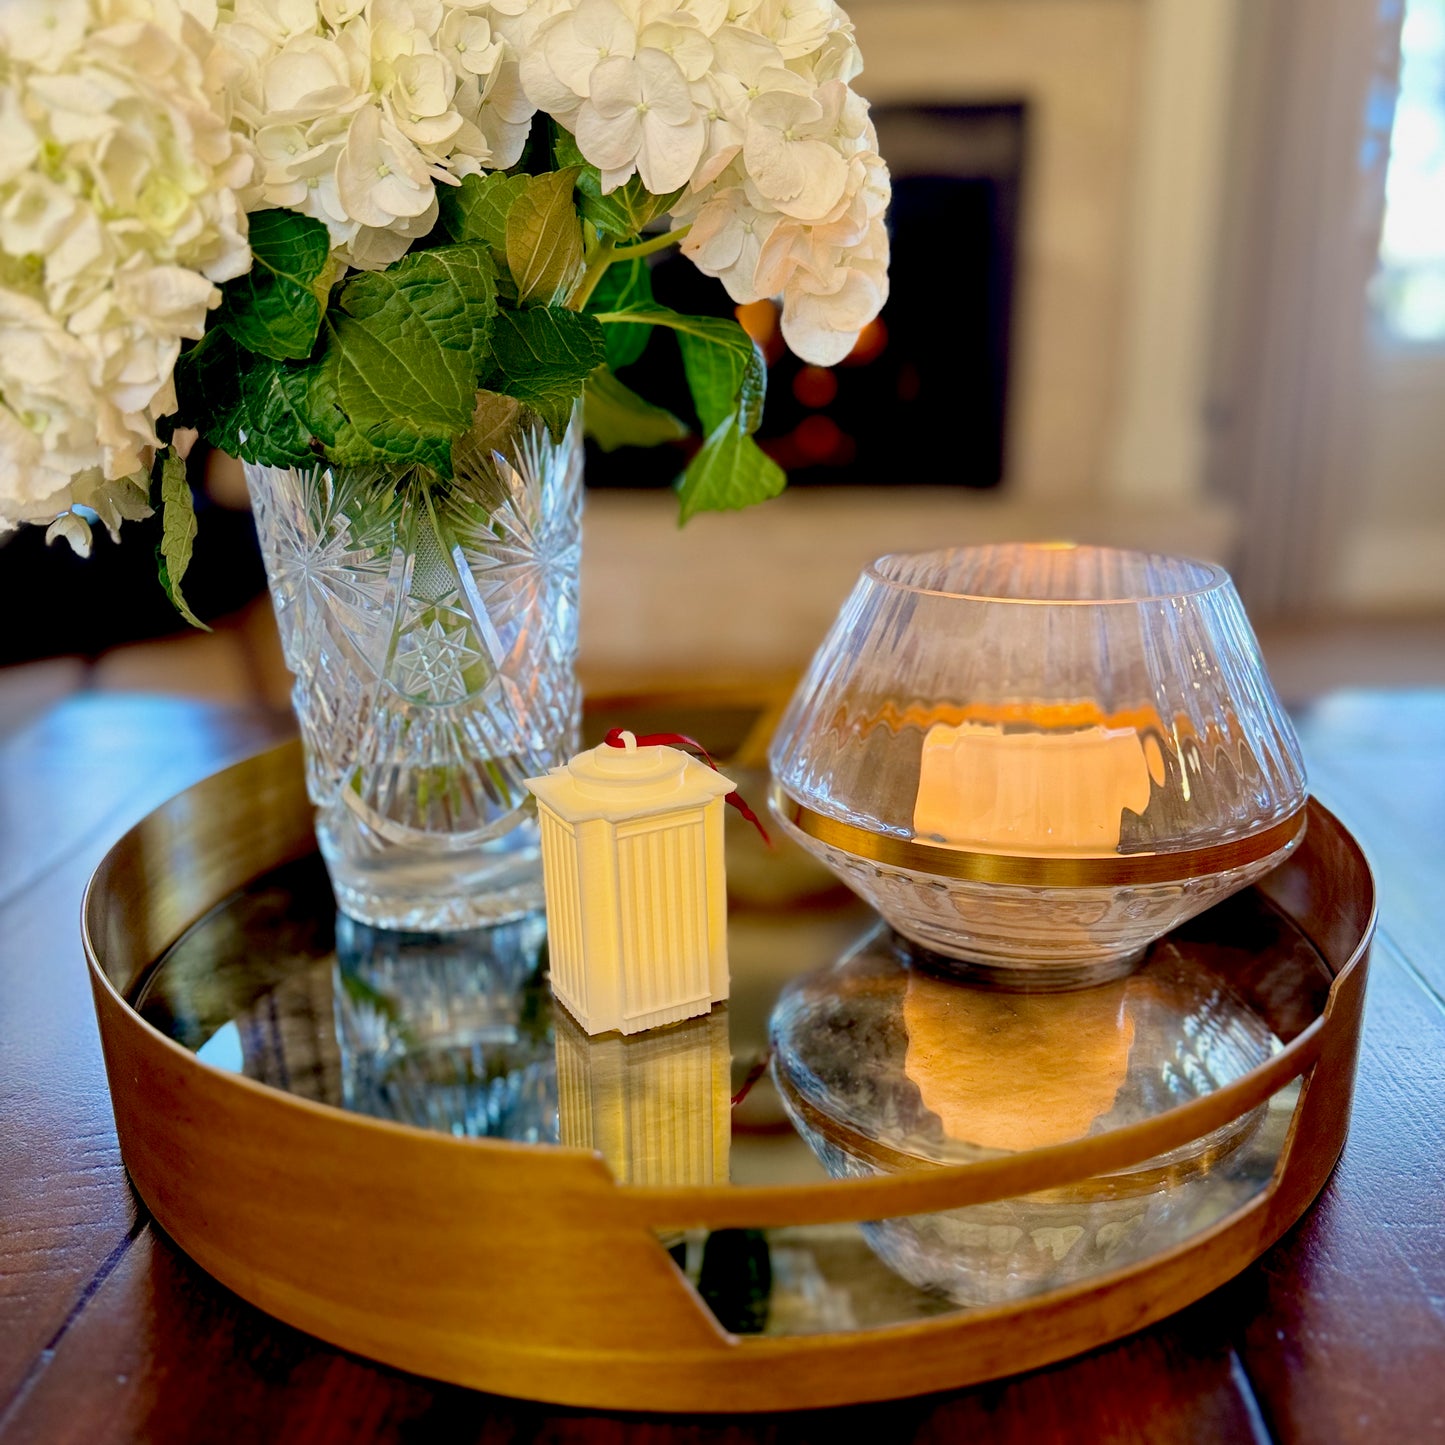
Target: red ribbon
column 681, row 740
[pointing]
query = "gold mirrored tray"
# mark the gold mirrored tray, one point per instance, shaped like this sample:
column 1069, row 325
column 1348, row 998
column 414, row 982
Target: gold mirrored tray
column 398, row 1143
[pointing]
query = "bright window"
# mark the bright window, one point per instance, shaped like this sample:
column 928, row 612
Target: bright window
column 1409, row 290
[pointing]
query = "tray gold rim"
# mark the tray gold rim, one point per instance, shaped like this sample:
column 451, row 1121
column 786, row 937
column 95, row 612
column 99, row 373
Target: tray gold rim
column 252, row 817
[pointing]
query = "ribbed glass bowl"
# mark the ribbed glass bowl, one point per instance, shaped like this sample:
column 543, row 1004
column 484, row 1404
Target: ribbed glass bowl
column 1035, row 760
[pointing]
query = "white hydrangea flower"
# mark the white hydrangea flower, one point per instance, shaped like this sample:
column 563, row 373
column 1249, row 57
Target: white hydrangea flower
column 823, row 313
column 640, row 119
column 359, row 109
column 499, row 115
column 790, row 157
column 19, row 145
column 468, row 45
column 119, row 214
column 747, row 66
column 838, row 58
column 770, row 140
column 682, row 40
column 47, row 44
column 797, row 27
column 727, row 240
column 373, row 248
column 580, row 40
column 381, row 176
column 518, row 22
column 309, row 76
column 49, row 457
column 708, row 15
column 722, row 135
column 279, row 21
column 832, row 272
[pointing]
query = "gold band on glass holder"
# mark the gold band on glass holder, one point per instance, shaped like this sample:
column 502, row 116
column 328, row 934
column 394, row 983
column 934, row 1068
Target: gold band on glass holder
column 1032, row 871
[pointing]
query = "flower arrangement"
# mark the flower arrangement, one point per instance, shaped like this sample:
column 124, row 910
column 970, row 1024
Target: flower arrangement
column 317, row 229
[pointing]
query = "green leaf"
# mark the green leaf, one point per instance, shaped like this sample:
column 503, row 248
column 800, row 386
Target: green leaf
column 396, row 380
column 566, row 152
column 623, row 214
column 477, row 209
column 178, row 534
column 623, row 285
column 615, row 416
column 275, row 309
column 247, row 405
column 544, row 239
column 444, row 298
column 726, row 372
column 494, row 425
column 728, row 379
column 627, row 211
column 730, row 472
column 404, row 352
column 543, row 356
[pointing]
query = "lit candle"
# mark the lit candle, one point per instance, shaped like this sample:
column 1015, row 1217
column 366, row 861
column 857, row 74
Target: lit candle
column 632, row 858
column 1029, row 792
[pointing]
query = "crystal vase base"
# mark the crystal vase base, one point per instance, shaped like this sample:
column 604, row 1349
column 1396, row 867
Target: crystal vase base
column 430, row 885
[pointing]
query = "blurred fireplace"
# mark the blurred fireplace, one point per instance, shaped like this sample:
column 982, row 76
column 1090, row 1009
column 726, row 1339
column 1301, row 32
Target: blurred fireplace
column 923, row 399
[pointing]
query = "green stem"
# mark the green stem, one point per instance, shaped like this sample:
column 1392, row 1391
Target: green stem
column 604, row 252
column 646, row 248
column 599, row 258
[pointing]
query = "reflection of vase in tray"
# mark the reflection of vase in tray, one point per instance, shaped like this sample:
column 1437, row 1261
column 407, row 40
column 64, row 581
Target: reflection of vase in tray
column 450, row 1032
column 883, row 1068
column 432, row 628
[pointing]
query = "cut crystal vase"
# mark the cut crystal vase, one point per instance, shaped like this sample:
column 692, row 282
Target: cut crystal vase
column 432, row 629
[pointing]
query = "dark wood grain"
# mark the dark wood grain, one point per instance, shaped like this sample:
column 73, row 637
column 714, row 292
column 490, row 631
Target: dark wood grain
column 1341, row 1328
column 1344, row 1321
column 109, row 1334
column 1377, row 760
column 69, row 784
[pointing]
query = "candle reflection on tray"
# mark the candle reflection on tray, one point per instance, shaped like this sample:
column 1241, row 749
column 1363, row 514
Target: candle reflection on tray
column 656, row 1106
column 1016, row 1071
column 884, row 1067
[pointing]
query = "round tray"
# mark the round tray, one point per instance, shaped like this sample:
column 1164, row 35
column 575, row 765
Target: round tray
column 607, row 1276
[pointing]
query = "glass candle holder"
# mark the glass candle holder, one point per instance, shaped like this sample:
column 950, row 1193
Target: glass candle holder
column 1035, row 760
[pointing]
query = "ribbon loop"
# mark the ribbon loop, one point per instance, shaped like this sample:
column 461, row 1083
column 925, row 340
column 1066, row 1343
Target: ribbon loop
column 734, row 799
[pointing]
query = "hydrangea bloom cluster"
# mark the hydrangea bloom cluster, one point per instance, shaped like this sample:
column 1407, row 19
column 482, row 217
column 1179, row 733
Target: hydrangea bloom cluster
column 747, row 105
column 118, row 214
column 358, row 108
column 135, row 135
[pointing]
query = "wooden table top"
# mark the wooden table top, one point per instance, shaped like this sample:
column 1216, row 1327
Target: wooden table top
column 108, row 1333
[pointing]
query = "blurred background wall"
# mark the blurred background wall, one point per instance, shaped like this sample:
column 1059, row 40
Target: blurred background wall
column 1208, row 353
column 1169, row 320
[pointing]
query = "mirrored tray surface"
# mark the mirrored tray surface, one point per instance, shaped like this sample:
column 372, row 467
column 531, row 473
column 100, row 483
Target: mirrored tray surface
column 876, row 1065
